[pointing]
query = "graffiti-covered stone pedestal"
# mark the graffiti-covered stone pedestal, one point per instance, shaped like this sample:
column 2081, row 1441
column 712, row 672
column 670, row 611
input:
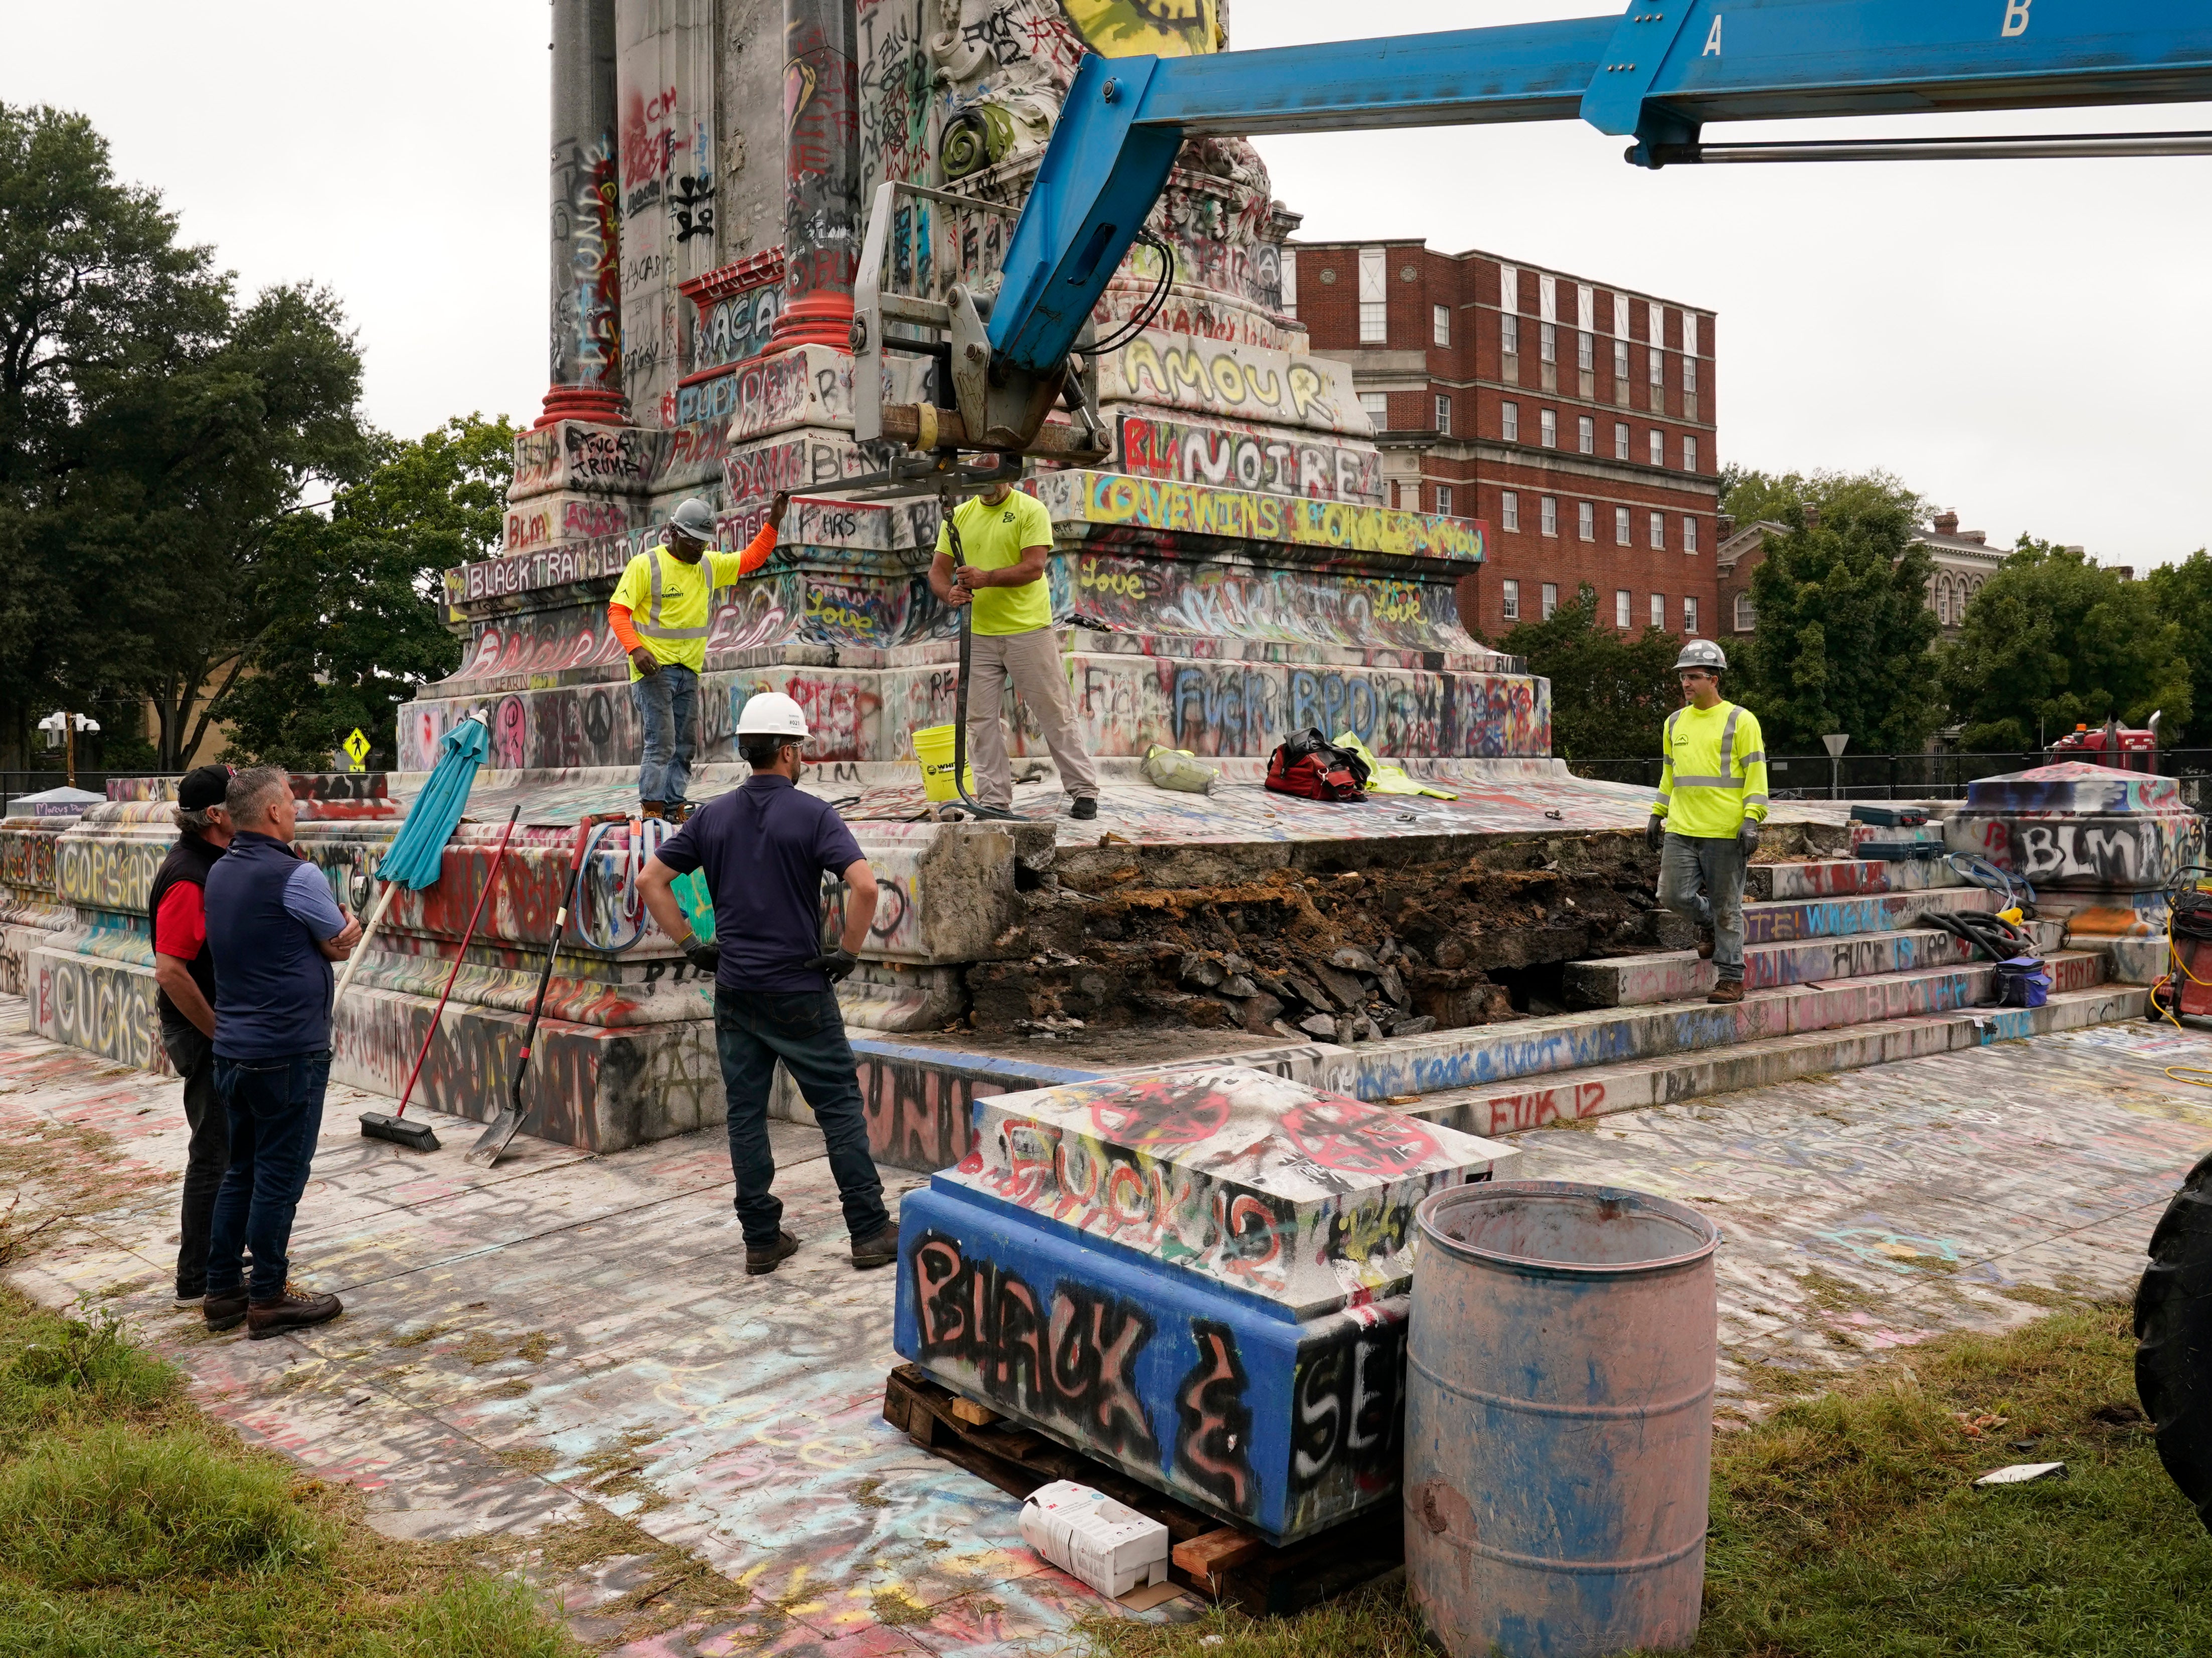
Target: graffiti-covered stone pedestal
column 1201, row 1278
column 2101, row 846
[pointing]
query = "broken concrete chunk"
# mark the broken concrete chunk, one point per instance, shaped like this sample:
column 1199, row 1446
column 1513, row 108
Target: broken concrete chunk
column 1203, row 971
column 1413, row 1027
column 1353, row 959
column 1306, row 991
column 1319, row 1025
column 1347, row 991
column 1239, row 985
column 1393, row 986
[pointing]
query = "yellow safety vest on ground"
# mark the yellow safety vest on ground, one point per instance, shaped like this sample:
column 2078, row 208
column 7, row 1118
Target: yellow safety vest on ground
column 1715, row 775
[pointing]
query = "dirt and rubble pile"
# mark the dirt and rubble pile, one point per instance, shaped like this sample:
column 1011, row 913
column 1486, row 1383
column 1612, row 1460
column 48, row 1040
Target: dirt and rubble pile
column 1338, row 956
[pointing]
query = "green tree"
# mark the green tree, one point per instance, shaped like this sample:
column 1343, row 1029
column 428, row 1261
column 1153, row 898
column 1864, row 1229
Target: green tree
column 354, row 603
column 156, row 437
column 1843, row 624
column 1611, row 691
column 2055, row 640
column 2184, row 595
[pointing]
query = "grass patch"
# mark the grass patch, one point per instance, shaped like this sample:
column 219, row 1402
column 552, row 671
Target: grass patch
column 1847, row 1526
column 131, row 1527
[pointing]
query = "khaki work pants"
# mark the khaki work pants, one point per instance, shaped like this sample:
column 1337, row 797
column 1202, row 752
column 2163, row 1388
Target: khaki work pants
column 1031, row 660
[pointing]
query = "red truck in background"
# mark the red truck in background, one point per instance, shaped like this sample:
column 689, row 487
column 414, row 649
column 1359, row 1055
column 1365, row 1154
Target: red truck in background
column 2112, row 744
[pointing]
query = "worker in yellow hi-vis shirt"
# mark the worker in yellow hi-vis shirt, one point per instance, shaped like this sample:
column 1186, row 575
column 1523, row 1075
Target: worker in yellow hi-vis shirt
column 1005, row 537
column 1712, row 799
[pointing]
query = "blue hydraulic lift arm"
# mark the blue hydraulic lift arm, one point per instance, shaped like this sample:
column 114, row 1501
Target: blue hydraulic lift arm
column 1658, row 72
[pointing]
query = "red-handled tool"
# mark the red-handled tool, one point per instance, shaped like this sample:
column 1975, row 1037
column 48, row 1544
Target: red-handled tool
column 416, row 1136
column 494, row 1141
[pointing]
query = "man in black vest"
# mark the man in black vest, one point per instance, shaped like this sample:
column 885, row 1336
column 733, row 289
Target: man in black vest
column 275, row 930
column 184, row 977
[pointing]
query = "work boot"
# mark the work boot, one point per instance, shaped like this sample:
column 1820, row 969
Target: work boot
column 763, row 1257
column 1083, row 808
column 295, row 1309
column 651, row 809
column 680, row 812
column 1727, row 990
column 879, row 1249
column 224, row 1309
column 1705, row 943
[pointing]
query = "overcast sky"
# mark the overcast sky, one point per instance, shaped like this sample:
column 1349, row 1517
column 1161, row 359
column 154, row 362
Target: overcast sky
column 2026, row 341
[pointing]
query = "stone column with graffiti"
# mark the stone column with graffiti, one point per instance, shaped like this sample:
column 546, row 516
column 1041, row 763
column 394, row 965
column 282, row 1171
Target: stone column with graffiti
column 586, row 308
column 822, row 212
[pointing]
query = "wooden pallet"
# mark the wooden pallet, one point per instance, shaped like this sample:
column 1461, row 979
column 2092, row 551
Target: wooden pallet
column 1218, row 1561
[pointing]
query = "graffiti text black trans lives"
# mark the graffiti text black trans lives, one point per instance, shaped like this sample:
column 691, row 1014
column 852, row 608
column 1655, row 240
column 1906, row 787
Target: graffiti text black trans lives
column 1074, row 1361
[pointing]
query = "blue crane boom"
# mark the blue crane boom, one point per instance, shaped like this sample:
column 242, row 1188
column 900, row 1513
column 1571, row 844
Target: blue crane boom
column 1658, row 73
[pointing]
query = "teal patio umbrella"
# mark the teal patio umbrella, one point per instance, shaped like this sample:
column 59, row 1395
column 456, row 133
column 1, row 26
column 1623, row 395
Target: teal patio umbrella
column 417, row 852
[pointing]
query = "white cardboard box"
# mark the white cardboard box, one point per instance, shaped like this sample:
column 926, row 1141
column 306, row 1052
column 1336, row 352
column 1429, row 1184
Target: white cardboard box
column 1090, row 1536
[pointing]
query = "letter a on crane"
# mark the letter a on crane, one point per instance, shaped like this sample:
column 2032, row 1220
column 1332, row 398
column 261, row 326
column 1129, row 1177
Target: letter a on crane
column 1713, row 40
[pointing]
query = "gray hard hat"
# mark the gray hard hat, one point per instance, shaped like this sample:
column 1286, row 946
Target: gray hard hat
column 1702, row 653
column 695, row 518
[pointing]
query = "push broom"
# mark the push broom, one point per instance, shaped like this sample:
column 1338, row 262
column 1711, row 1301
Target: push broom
column 417, row 1136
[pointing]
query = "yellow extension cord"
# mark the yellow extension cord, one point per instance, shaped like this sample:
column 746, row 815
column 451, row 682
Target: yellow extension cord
column 2196, row 1076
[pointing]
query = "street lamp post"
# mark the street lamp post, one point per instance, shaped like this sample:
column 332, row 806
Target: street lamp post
column 61, row 728
column 1835, row 741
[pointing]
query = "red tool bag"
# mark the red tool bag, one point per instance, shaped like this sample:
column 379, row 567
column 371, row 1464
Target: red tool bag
column 1308, row 765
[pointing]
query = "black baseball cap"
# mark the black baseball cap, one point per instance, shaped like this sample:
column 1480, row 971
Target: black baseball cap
column 204, row 786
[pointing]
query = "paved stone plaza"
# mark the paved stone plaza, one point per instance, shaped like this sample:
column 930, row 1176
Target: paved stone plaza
column 569, row 1329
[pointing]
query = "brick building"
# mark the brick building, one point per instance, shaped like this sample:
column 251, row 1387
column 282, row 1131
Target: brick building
column 1576, row 419
column 1963, row 559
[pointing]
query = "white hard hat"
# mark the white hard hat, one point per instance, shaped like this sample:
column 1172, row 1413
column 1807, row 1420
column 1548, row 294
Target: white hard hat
column 771, row 713
column 1702, row 653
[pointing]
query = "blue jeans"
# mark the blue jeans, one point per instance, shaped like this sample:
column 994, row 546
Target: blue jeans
column 668, row 712
column 752, row 1031
column 275, row 1109
column 1690, row 862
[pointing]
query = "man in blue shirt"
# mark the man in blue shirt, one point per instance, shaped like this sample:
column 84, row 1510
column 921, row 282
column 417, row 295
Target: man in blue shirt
column 274, row 930
column 765, row 849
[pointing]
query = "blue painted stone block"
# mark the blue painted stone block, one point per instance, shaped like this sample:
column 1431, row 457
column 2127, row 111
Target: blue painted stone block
column 1281, row 1426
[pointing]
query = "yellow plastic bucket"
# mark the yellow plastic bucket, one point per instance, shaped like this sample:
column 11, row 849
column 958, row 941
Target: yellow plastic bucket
column 933, row 747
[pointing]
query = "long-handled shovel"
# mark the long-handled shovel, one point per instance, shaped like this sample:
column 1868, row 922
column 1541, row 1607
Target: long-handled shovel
column 417, row 1136
column 494, row 1140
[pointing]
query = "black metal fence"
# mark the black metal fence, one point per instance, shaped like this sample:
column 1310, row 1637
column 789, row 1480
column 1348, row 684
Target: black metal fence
column 1905, row 776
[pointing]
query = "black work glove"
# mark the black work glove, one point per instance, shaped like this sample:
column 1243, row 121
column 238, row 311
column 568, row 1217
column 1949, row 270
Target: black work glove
column 837, row 963
column 706, row 957
column 1654, row 832
column 1747, row 837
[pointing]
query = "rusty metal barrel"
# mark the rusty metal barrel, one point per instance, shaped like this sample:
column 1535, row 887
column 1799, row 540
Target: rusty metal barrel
column 1560, row 1419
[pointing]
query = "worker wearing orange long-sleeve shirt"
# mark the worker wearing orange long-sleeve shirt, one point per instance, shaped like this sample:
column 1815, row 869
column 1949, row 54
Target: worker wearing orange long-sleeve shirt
column 659, row 612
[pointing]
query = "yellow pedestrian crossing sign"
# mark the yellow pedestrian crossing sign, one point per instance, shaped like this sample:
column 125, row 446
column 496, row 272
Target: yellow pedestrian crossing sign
column 356, row 748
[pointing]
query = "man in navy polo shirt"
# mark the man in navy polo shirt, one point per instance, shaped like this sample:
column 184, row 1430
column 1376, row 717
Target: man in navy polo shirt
column 274, row 930
column 765, row 849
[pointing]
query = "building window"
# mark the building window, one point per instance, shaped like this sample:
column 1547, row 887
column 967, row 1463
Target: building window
column 1550, row 598
column 1585, row 308
column 1374, row 297
column 1689, row 454
column 1508, row 288
column 1509, row 415
column 1657, row 363
column 1547, row 428
column 1512, row 609
column 1621, row 609
column 1586, row 434
column 1621, row 440
column 1690, row 375
column 1443, row 415
column 1289, row 293
column 1620, row 535
column 1620, row 360
column 1690, row 334
column 1444, row 500
column 1658, row 610
column 1547, row 514
column 1656, row 448
column 1656, row 316
column 1586, row 521
column 1376, row 405
column 1746, row 617
column 1690, row 615
column 1586, row 354
column 1689, row 534
column 1441, row 323
column 1547, row 342
column 1658, row 532
column 1509, row 509
column 1547, row 297
column 1620, row 320
column 1509, row 336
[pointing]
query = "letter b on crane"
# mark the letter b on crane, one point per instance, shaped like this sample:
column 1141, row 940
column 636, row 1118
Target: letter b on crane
column 2015, row 17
